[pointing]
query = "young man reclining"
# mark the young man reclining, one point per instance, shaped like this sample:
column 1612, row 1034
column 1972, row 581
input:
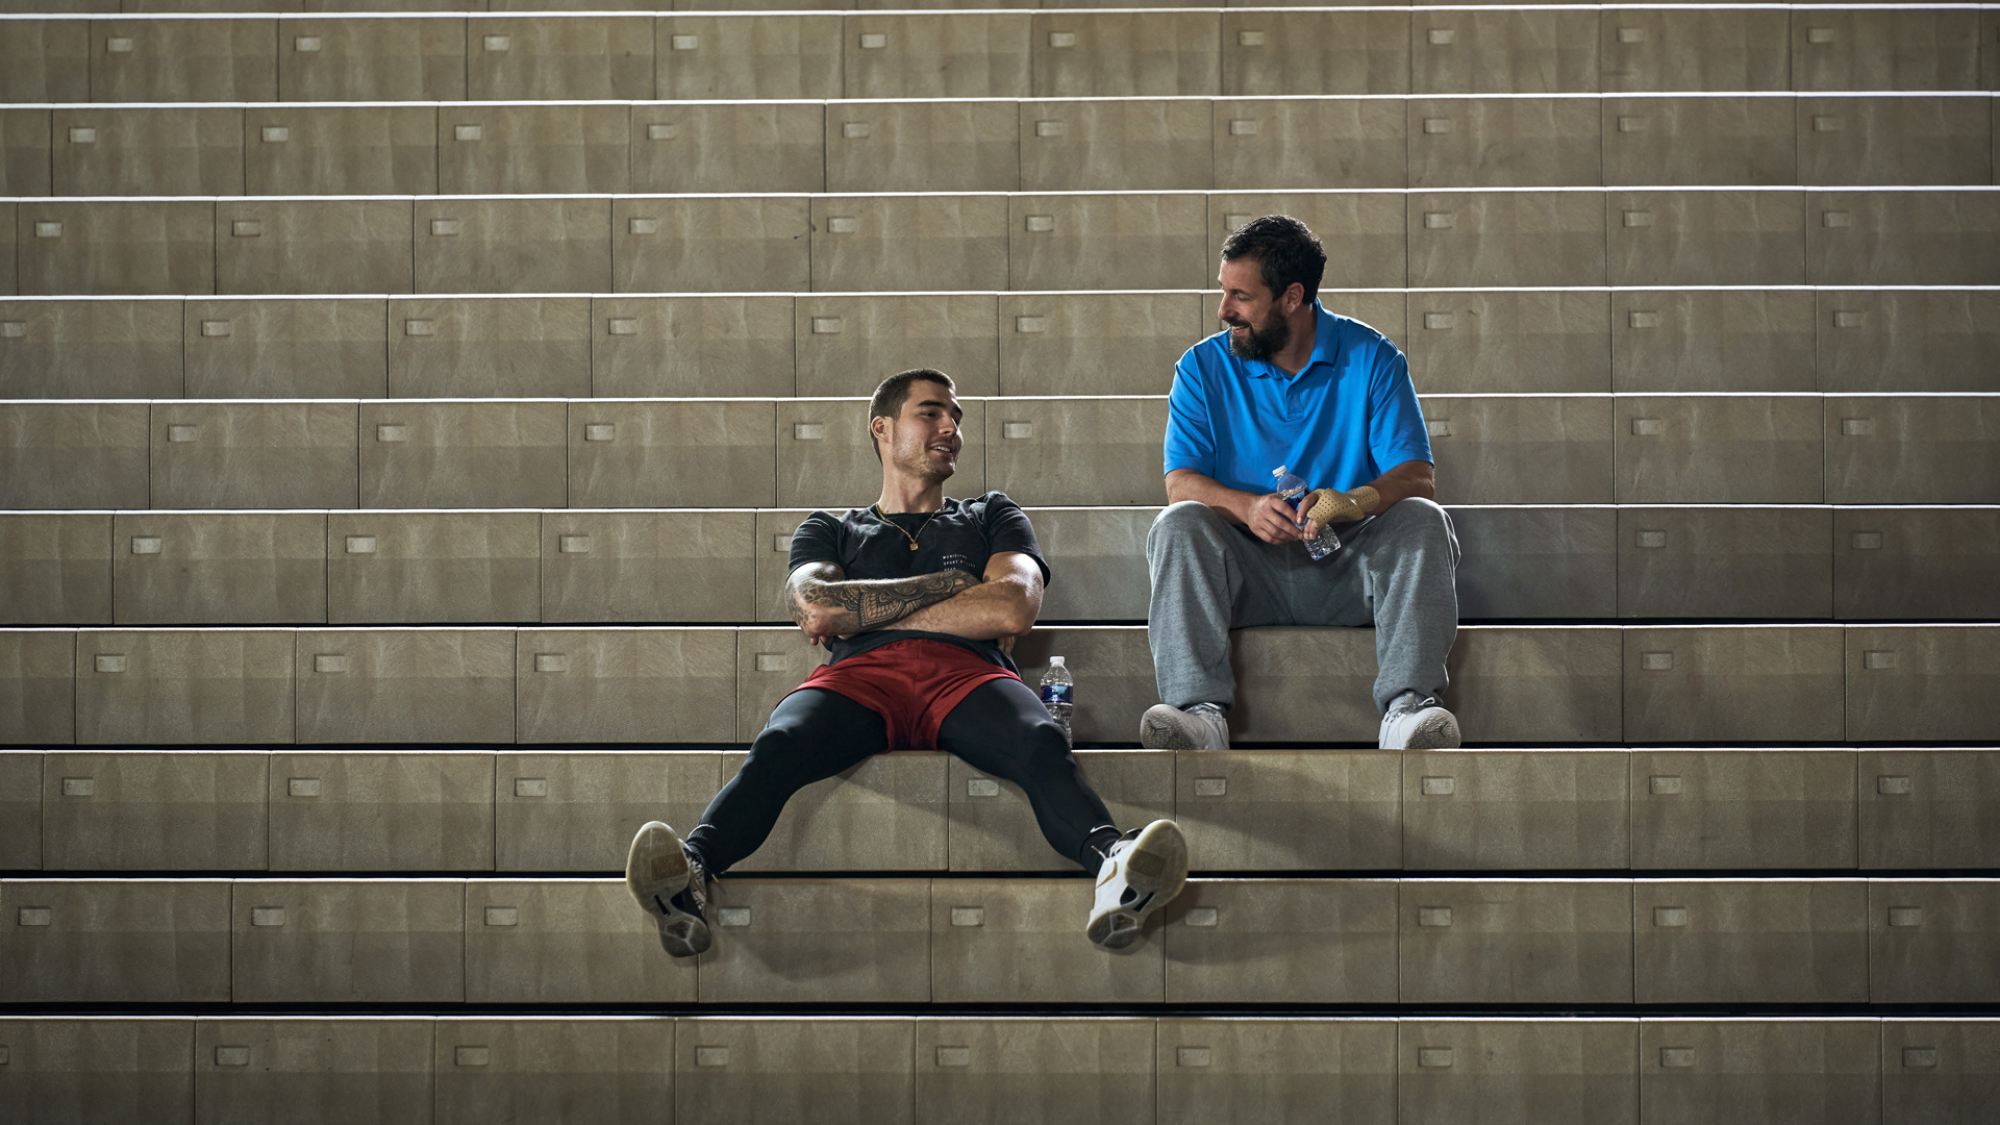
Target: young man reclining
column 918, row 598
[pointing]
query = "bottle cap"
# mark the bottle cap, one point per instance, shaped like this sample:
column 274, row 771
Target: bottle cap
column 1279, row 471
column 1056, row 662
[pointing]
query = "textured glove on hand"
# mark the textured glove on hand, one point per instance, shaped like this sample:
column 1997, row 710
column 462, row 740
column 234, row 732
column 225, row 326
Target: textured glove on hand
column 1343, row 507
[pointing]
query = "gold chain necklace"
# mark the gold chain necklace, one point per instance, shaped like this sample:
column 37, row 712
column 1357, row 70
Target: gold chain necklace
column 877, row 509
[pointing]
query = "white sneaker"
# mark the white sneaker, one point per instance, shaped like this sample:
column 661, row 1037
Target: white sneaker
column 1142, row 872
column 667, row 882
column 1170, row 728
column 1417, row 722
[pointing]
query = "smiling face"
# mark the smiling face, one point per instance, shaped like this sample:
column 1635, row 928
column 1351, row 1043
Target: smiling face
column 923, row 441
column 1258, row 320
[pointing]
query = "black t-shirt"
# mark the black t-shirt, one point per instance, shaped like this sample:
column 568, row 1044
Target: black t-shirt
column 964, row 534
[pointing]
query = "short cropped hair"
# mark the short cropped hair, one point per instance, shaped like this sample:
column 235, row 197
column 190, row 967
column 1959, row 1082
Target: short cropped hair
column 894, row 392
column 1285, row 248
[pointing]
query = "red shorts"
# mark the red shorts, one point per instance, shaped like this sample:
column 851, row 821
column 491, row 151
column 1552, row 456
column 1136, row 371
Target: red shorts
column 912, row 684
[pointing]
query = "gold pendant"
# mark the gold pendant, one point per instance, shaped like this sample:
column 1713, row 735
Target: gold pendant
column 913, row 546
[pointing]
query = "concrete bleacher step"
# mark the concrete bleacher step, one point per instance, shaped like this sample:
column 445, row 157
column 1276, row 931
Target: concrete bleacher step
column 1134, row 1070
column 987, row 241
column 572, row 812
column 921, row 941
column 1121, row 144
column 1013, row 345
column 991, row 54
column 727, row 566
column 1568, row 340
column 1796, row 448
column 1516, row 684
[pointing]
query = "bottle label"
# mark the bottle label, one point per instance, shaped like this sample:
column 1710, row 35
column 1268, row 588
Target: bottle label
column 1290, row 486
column 1058, row 693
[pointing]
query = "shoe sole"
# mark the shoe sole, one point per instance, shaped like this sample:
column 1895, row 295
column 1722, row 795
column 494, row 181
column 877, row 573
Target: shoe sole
column 656, row 869
column 1440, row 733
column 1157, row 869
column 1157, row 732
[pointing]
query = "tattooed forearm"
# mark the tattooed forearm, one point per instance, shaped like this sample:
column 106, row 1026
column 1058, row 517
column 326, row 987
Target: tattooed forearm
column 836, row 608
column 879, row 603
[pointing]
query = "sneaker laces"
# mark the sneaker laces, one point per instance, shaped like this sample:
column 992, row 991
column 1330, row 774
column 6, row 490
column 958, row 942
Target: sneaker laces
column 1117, row 848
column 700, row 884
column 1410, row 702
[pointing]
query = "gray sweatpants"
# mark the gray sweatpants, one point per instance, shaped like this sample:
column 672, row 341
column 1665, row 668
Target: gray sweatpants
column 1209, row 576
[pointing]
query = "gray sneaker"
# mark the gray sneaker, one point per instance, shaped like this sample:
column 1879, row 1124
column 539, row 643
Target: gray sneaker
column 1201, row 727
column 1417, row 722
column 667, row 882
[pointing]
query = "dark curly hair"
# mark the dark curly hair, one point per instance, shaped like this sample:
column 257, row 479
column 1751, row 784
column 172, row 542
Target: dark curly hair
column 1286, row 249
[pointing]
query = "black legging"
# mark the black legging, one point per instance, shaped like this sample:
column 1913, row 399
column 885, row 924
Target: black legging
column 1001, row 728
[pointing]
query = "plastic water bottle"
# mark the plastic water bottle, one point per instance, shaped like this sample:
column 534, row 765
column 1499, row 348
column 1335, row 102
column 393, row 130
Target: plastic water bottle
column 1289, row 485
column 1059, row 695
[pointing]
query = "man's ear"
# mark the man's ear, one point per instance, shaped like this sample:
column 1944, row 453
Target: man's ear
column 879, row 426
column 1295, row 295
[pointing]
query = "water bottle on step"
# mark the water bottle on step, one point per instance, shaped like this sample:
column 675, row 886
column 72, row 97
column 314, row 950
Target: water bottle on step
column 1059, row 695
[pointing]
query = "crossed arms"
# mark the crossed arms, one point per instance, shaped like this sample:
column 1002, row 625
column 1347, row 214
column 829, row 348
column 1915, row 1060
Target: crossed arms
column 998, row 606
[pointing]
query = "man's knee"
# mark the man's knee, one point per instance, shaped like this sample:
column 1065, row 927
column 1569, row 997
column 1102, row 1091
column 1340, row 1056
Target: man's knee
column 1415, row 522
column 1184, row 522
column 779, row 750
column 1045, row 751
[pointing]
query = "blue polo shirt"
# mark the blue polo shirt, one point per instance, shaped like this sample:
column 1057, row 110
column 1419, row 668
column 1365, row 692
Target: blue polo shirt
column 1349, row 416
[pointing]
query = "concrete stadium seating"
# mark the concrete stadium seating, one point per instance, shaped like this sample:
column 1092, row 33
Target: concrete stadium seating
column 1769, row 139
column 1522, row 341
column 1732, row 448
column 1437, row 239
column 1136, row 1069
column 404, row 413
column 1524, row 684
column 953, row 941
column 1253, row 810
column 584, row 565
column 498, row 56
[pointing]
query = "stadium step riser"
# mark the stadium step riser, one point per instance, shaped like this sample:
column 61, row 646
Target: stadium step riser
column 1537, row 685
column 443, row 941
column 1120, row 1071
column 1007, row 54
column 1563, row 341
column 995, row 241
column 572, row 812
column 958, row 146
column 724, row 566
column 1803, row 448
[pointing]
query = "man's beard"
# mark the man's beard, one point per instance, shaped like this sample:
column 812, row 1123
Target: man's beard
column 922, row 468
column 1261, row 341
